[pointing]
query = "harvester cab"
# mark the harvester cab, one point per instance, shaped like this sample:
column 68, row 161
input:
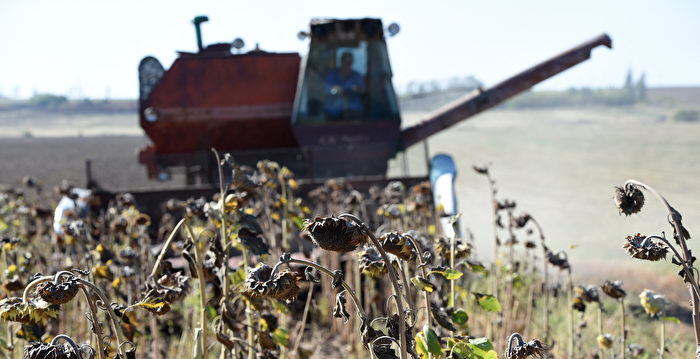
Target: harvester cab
column 346, row 115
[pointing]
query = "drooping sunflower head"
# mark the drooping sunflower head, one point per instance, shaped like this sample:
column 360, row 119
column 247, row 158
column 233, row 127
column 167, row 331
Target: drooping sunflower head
column 629, row 199
column 58, row 293
column 605, row 341
column 641, row 247
column 261, row 283
column 652, row 302
column 613, row 289
column 34, row 311
column 335, row 234
column 532, row 349
column 38, row 350
column 399, row 245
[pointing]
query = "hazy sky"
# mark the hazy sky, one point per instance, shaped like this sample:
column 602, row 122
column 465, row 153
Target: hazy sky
column 91, row 48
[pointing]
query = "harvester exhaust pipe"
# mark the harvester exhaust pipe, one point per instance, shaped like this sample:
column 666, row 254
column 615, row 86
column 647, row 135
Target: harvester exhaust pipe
column 197, row 21
column 479, row 101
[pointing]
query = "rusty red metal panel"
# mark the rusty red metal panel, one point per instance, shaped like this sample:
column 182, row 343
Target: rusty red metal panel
column 228, row 102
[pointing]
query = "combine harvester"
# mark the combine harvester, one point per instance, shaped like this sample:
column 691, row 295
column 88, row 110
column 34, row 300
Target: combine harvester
column 297, row 110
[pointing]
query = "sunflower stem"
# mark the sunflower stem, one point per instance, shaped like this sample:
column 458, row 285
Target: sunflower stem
column 202, row 291
column 392, row 277
column 224, row 235
column 569, row 287
column 675, row 220
column 97, row 328
column 426, row 295
column 329, row 273
column 163, row 250
column 622, row 327
column 545, row 279
column 662, row 349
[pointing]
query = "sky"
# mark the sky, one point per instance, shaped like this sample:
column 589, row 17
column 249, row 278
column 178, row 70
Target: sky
column 91, row 48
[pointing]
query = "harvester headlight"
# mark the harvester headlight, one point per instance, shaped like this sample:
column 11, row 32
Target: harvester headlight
column 238, row 43
column 150, row 114
column 393, row 29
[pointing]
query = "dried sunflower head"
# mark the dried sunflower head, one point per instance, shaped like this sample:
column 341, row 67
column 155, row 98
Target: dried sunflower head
column 482, row 170
column 652, row 302
column 391, row 211
column 605, row 341
column 398, row 245
column 463, row 249
column 13, row 283
column 636, row 349
column 614, row 289
column 172, row 286
column 260, row 284
column 58, row 293
column 641, row 247
column 629, row 199
column 384, row 351
column 371, row 262
column 421, row 195
column 34, row 311
column 335, row 234
column 37, row 350
column 534, row 348
column 578, row 304
column 560, row 260
column 522, row 220
column 588, row 293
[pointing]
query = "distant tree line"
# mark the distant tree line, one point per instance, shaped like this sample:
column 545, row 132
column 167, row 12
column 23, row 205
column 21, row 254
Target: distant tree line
column 630, row 93
column 455, row 83
column 61, row 103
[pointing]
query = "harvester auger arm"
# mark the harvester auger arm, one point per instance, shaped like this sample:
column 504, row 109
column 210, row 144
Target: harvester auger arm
column 481, row 100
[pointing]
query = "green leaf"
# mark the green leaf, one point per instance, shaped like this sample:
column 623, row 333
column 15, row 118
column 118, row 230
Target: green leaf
column 517, row 281
column 481, row 348
column 475, row 267
column 488, row 302
column 3, row 225
column 281, row 337
column 280, row 307
column 461, row 350
column 482, row 343
column 459, row 316
column 421, row 348
column 432, row 341
column 211, row 311
column 298, row 221
column 423, row 284
column 451, row 274
column 237, row 277
column 673, row 319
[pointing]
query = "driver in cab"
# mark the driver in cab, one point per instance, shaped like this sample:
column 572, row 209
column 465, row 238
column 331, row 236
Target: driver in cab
column 344, row 89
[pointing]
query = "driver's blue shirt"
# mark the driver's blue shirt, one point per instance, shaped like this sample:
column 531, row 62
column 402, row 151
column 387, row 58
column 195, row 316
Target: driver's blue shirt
column 347, row 100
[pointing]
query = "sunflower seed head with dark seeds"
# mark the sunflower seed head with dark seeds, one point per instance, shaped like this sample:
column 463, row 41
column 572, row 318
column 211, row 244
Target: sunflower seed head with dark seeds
column 629, row 199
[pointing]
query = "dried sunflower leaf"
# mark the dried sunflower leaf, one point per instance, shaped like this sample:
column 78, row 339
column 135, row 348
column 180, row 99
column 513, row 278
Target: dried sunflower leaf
column 153, row 303
column 339, row 309
column 423, row 284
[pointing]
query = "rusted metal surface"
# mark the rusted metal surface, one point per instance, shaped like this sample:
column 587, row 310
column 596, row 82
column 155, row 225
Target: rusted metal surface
column 479, row 101
column 227, row 102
